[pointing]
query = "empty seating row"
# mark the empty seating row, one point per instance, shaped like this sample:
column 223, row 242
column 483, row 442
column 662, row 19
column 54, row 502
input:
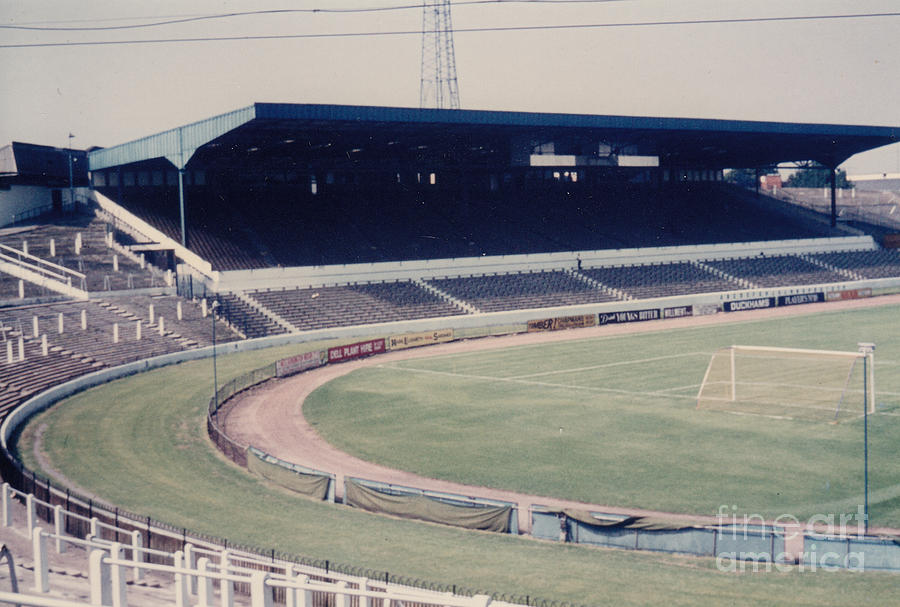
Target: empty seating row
column 882, row 263
column 326, row 307
column 660, row 280
column 776, row 271
column 522, row 290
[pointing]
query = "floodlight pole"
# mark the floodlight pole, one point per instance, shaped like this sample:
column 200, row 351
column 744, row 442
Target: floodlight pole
column 215, row 305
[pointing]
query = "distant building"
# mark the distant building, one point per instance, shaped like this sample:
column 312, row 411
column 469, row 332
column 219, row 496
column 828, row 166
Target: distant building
column 770, row 182
column 34, row 179
column 879, row 182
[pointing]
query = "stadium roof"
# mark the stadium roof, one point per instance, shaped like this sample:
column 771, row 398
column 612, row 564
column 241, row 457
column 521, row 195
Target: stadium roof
column 495, row 138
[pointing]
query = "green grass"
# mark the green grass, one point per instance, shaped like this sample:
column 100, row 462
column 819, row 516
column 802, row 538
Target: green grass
column 613, row 421
column 140, row 443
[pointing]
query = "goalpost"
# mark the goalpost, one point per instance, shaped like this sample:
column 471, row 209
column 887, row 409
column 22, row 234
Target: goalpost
column 790, row 382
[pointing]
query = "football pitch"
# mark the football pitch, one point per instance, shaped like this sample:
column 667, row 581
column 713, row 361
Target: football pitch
column 614, row 421
column 609, row 420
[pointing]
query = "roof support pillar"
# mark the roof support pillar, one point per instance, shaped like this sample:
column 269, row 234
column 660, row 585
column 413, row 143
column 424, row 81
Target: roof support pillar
column 182, row 162
column 832, row 178
column 181, row 205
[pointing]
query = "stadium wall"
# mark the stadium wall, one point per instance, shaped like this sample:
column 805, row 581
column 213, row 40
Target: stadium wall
column 299, row 277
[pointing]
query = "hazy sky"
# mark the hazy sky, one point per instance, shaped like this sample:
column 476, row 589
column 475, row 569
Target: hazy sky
column 828, row 70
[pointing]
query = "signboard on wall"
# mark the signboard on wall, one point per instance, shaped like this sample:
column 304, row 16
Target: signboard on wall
column 357, row 350
column 800, row 298
column 563, row 322
column 425, row 338
column 300, row 362
column 610, row 318
column 749, row 304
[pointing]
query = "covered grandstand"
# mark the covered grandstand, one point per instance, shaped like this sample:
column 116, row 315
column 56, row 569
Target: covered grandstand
column 264, row 203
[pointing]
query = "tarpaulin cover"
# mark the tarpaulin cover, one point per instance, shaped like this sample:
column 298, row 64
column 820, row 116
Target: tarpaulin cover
column 314, row 486
column 647, row 523
column 487, row 518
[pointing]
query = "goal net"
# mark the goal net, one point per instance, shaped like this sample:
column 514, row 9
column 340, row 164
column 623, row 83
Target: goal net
column 786, row 382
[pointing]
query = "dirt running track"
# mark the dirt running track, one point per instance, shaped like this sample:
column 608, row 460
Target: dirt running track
column 271, row 417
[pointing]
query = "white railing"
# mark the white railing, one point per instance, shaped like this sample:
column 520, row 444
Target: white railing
column 45, row 273
column 195, row 572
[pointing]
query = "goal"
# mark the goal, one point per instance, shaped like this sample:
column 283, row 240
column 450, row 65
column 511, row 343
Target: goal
column 791, row 383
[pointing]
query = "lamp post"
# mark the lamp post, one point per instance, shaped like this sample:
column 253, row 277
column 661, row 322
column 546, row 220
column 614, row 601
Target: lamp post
column 866, row 349
column 215, row 305
column 71, row 186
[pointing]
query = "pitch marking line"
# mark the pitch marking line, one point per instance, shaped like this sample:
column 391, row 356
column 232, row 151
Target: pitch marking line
column 512, row 380
column 614, row 364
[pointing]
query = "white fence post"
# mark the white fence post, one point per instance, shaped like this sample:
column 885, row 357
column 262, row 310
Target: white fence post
column 41, row 565
column 260, row 591
column 205, row 584
column 137, row 555
column 59, row 529
column 95, row 528
column 21, row 289
column 84, row 320
column 117, row 577
column 190, row 563
column 181, row 593
column 45, row 349
column 78, row 243
column 52, row 247
column 115, row 263
column 179, row 313
column 21, row 348
column 341, row 599
column 10, row 359
column 162, row 326
column 226, row 586
column 62, row 328
column 115, row 332
column 152, row 314
column 304, row 595
column 7, row 505
column 137, row 330
column 204, row 310
column 98, row 573
column 35, row 329
column 30, row 517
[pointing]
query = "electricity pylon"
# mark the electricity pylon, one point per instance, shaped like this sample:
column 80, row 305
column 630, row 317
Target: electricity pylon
column 438, row 86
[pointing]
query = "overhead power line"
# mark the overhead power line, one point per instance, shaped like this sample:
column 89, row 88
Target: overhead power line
column 179, row 19
column 512, row 28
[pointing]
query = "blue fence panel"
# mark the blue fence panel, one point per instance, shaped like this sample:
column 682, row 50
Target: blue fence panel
column 545, row 525
column 602, row 536
column 690, row 541
column 749, row 544
column 825, row 552
column 873, row 555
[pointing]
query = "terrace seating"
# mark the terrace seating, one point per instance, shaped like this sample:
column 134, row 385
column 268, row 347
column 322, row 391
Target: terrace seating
column 94, row 259
column 881, row 263
column 660, row 280
column 778, row 271
column 246, row 319
column 326, row 307
column 521, row 291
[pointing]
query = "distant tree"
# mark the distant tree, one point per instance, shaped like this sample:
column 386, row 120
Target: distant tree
column 745, row 178
column 817, row 178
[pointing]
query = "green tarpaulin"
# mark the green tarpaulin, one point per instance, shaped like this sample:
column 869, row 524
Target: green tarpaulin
column 647, row 523
column 314, row 486
column 487, row 518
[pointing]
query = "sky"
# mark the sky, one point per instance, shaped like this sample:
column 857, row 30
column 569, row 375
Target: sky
column 817, row 61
